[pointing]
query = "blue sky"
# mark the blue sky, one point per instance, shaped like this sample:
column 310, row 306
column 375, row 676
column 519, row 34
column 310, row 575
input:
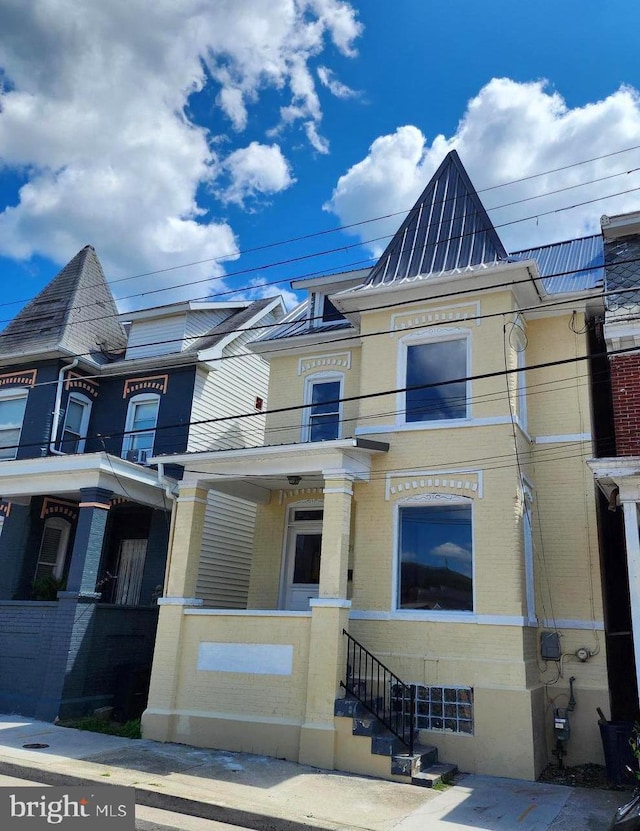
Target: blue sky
column 177, row 133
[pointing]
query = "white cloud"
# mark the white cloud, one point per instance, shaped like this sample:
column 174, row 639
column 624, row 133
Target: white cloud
column 509, row 131
column 260, row 287
column 94, row 109
column 256, row 169
column 335, row 87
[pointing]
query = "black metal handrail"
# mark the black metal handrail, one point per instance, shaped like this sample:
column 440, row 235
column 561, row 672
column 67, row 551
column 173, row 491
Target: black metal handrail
column 380, row 690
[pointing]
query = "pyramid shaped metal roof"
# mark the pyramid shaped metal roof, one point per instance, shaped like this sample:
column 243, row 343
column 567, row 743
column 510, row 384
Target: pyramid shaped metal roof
column 447, row 229
column 75, row 313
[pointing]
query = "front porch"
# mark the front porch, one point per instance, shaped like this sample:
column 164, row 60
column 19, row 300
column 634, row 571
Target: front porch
column 83, row 545
column 264, row 679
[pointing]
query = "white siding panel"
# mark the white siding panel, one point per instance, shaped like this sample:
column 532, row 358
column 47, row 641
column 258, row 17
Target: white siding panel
column 199, row 323
column 160, row 336
column 230, row 389
column 225, row 554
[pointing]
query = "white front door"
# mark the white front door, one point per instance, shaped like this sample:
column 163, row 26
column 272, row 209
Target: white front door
column 302, row 574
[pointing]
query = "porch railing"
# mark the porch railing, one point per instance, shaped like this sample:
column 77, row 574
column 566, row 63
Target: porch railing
column 380, row 691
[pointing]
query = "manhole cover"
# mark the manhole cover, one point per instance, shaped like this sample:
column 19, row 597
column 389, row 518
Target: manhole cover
column 35, row 746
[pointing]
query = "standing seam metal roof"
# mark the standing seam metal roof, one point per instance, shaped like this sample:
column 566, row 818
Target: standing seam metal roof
column 570, row 266
column 447, row 229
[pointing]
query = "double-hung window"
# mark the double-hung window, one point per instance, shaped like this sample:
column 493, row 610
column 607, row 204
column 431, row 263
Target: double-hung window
column 322, row 415
column 12, row 407
column 76, row 423
column 435, row 557
column 435, row 380
column 140, row 429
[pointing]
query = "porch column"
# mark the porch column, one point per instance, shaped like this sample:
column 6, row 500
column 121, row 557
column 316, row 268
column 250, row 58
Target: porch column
column 187, row 523
column 632, row 539
column 329, row 616
column 184, row 551
column 87, row 546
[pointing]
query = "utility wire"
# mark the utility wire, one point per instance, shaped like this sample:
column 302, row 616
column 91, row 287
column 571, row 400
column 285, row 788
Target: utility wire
column 361, row 397
column 351, row 335
column 349, row 246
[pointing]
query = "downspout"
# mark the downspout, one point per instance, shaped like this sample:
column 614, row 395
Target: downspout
column 56, row 408
column 169, row 487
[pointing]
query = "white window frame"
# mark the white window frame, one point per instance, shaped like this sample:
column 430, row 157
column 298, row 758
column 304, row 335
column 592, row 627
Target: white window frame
column 86, row 405
column 8, row 395
column 317, row 310
column 439, row 335
column 456, row 615
column 309, row 383
column 128, row 439
column 59, row 524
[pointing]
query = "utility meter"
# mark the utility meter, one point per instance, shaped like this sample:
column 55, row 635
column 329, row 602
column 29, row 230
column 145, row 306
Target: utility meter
column 561, row 729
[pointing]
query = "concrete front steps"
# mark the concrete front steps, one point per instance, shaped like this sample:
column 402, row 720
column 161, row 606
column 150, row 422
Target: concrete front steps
column 365, row 746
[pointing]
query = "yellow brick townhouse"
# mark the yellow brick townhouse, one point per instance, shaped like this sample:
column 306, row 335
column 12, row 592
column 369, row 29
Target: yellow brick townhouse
column 424, row 588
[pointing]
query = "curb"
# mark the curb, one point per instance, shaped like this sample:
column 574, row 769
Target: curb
column 170, row 802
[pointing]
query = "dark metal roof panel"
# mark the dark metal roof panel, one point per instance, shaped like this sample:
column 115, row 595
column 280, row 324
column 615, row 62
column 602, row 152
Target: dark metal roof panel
column 447, row 229
column 570, row 266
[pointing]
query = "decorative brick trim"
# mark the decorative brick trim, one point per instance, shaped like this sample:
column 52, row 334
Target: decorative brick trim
column 297, row 492
column 59, row 507
column 23, row 378
column 428, row 484
column 119, row 500
column 338, row 360
column 5, row 508
column 442, row 315
column 75, row 381
column 151, row 383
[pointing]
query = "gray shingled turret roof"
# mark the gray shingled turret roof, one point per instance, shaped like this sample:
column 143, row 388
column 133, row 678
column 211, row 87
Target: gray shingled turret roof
column 447, row 229
column 74, row 313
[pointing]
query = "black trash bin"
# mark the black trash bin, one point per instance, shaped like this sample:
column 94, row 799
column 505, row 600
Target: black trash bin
column 617, row 750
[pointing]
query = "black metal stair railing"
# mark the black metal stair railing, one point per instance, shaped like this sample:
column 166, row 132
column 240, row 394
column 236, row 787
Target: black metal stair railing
column 380, row 691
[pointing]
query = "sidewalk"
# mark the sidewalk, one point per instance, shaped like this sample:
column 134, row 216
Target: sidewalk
column 263, row 793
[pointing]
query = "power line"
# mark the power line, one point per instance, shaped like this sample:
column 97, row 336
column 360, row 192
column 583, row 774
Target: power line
column 345, row 227
column 258, row 268
column 349, row 399
column 443, row 295
column 350, row 335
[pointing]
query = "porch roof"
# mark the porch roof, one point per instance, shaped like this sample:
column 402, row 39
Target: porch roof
column 252, row 473
column 617, row 477
column 65, row 475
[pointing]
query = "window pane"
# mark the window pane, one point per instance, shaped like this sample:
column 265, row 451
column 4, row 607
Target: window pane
column 307, row 562
column 144, row 415
column 436, row 558
column 324, row 397
column 12, row 411
column 308, row 515
column 323, row 428
column 73, row 420
column 8, row 443
column 329, row 311
column 324, row 418
column 434, row 363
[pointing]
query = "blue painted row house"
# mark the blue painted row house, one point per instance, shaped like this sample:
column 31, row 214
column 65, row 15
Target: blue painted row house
column 86, row 396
